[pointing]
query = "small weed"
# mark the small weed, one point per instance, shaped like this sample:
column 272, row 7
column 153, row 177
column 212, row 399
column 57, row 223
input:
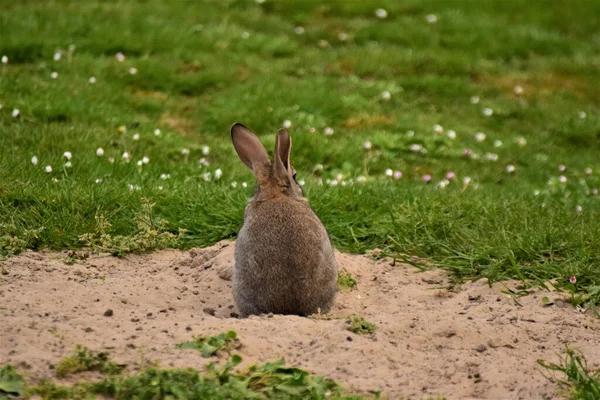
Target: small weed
column 15, row 241
column 346, row 282
column 11, row 383
column 580, row 383
column 360, row 325
column 210, row 345
column 151, row 235
column 86, row 360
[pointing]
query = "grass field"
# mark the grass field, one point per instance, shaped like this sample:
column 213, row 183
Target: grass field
column 412, row 92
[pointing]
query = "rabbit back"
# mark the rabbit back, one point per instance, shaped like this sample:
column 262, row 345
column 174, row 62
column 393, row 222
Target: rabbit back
column 284, row 261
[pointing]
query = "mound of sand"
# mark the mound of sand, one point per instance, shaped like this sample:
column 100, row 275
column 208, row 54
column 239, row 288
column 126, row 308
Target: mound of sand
column 474, row 342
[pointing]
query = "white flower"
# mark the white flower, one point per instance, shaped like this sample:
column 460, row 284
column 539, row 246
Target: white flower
column 122, row 129
column 136, row 136
column 491, row 156
column 410, row 133
column 160, row 188
column 68, row 164
column 588, row 171
column 244, row 184
column 164, row 177
column 497, row 143
column 185, row 152
column 381, row 13
column 343, row 36
column 451, row 135
column 475, row 100
column 431, row 18
column 521, row 141
column 416, row 147
column 389, row 172
column 67, row 155
column 125, row 156
column 480, row 137
column 361, row 179
column 206, row 176
column 57, row 55
column 329, row 131
column 99, row 151
column 234, row 184
column 245, row 35
column 562, row 167
column 582, row 114
column 287, row 124
column 99, row 180
column 299, row 30
column 578, row 209
column 443, row 183
column 204, row 162
column 16, row 113
column 466, row 180
column 139, row 163
column 145, row 160
column 595, row 191
column 488, row 112
column 438, row 129
column 386, row 95
column 562, row 179
column 205, row 150
column 54, row 75
column 301, row 182
column 4, row 60
column 367, row 145
column 133, row 71
column 339, row 177
column 397, row 174
column 510, row 168
column 48, row 169
column 582, row 181
column 332, row 182
column 518, row 89
column 536, row 192
column 218, row 173
column 157, row 132
column 92, row 80
column 120, row 57
column 312, row 129
column 34, row 160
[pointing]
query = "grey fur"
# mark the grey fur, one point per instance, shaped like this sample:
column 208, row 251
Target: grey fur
column 284, row 261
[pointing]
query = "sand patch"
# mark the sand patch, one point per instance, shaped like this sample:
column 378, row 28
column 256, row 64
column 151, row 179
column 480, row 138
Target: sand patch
column 475, row 343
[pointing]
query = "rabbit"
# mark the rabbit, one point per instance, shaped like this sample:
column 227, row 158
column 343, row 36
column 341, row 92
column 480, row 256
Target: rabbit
column 284, row 260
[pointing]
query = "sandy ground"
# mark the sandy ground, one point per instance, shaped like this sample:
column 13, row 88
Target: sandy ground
column 472, row 342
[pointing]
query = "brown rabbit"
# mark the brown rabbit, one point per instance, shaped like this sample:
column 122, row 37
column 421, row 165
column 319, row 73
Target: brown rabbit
column 284, row 262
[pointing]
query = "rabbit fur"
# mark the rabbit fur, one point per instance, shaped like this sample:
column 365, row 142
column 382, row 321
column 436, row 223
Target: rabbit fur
column 284, row 261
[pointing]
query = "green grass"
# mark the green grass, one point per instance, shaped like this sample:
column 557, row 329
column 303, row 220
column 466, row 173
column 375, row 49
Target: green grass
column 578, row 382
column 271, row 380
column 203, row 66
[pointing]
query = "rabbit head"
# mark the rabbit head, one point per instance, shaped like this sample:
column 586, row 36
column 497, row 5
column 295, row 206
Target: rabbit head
column 277, row 178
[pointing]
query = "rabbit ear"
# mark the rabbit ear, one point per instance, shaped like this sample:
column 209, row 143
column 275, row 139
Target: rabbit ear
column 283, row 147
column 248, row 147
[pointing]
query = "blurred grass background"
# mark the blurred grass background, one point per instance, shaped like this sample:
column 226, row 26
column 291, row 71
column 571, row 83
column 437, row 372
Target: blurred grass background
column 384, row 72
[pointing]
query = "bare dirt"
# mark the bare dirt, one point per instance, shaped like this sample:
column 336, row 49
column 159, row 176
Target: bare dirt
column 434, row 339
